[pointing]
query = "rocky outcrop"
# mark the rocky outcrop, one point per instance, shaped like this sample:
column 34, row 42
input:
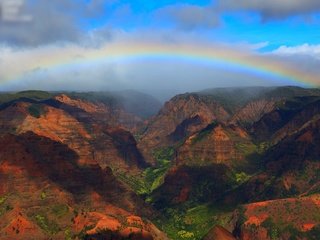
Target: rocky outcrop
column 290, row 168
column 113, row 114
column 179, row 118
column 253, row 111
column 219, row 233
column 275, row 219
column 286, row 119
column 293, row 151
column 216, row 143
column 43, row 186
column 78, row 126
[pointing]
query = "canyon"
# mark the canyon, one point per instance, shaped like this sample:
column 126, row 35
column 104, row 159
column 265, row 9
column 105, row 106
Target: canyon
column 224, row 163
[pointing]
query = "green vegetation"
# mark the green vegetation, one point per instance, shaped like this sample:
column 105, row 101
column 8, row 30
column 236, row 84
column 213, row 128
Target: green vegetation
column 184, row 234
column 83, row 233
column 36, row 110
column 272, row 228
column 136, row 183
column 152, row 177
column 242, row 216
column 242, row 177
column 276, row 231
column 3, row 199
column 263, row 147
column 43, row 195
column 164, row 153
column 45, row 224
column 193, row 223
column 148, row 181
column 4, row 207
column 60, row 210
column 33, row 94
column 193, row 219
column 68, row 234
column 246, row 148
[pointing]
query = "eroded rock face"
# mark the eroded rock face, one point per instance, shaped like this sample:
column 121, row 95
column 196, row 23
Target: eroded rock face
column 44, row 191
column 219, row 233
column 293, row 151
column 57, row 158
column 253, row 111
column 179, row 118
column 286, row 120
column 274, row 219
column 113, row 115
column 78, row 126
column 216, row 143
column 55, row 175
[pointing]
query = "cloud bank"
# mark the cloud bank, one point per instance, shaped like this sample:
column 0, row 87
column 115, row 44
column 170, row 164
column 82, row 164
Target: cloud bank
column 70, row 32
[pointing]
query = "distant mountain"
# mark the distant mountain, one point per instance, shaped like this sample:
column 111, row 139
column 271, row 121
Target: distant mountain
column 134, row 102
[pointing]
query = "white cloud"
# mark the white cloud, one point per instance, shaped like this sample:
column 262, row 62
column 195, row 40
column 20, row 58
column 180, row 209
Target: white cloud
column 305, row 49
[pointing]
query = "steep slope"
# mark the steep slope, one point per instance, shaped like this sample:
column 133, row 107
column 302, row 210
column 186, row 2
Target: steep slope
column 45, row 192
column 102, row 110
column 235, row 159
column 247, row 105
column 83, row 126
column 253, row 112
column 187, row 114
column 289, row 116
column 73, row 163
column 219, row 233
column 179, row 118
column 127, row 109
column 217, row 143
column 291, row 166
column 291, row 218
column 192, row 184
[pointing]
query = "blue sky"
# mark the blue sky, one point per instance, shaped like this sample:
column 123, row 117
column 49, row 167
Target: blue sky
column 284, row 33
column 237, row 26
column 279, row 23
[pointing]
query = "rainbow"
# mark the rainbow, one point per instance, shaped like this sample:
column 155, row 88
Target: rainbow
column 223, row 57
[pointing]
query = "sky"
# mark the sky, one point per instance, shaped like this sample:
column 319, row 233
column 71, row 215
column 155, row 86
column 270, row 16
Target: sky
column 162, row 45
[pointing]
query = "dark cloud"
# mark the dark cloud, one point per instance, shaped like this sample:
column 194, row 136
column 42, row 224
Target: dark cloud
column 96, row 8
column 49, row 23
column 272, row 9
column 53, row 21
column 66, row 20
column 189, row 17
